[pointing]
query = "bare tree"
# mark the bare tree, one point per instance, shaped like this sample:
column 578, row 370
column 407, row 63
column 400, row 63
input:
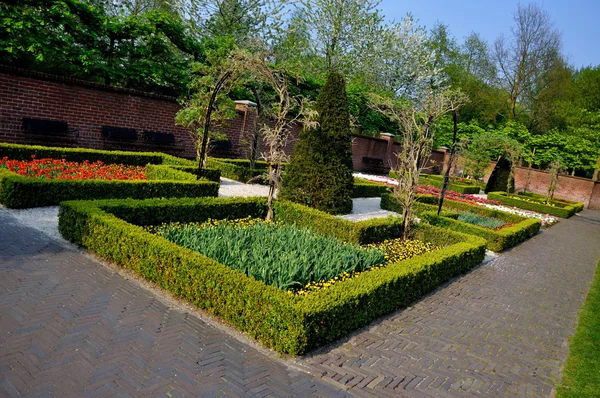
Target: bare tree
column 554, row 169
column 276, row 133
column 529, row 53
column 416, row 122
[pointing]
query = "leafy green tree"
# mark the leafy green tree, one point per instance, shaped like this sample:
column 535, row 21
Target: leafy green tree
column 320, row 170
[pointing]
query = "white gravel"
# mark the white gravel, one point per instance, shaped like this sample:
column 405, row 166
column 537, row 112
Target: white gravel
column 231, row 188
column 367, row 208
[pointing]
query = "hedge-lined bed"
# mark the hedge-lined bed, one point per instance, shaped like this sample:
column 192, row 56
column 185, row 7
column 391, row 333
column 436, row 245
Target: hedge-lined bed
column 517, row 229
column 166, row 174
column 542, row 198
column 21, row 192
column 436, row 180
column 288, row 323
column 555, row 209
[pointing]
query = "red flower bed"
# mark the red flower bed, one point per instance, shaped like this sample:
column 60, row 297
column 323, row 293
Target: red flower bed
column 60, row 169
column 459, row 197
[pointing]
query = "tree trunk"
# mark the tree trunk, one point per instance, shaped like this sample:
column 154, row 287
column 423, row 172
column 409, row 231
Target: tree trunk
column 450, row 159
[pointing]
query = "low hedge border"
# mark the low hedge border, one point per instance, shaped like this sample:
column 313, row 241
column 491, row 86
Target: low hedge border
column 577, row 205
column 368, row 189
column 209, row 174
column 24, row 152
column 436, row 180
column 565, row 211
column 523, row 228
column 287, row 323
column 454, row 186
column 232, row 170
column 20, row 192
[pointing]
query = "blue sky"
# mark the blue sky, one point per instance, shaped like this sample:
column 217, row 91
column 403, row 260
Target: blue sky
column 577, row 20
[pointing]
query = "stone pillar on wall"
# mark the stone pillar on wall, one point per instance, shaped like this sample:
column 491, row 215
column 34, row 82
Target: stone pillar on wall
column 446, row 161
column 387, row 161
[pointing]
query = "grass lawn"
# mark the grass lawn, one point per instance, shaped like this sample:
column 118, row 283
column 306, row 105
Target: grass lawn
column 581, row 377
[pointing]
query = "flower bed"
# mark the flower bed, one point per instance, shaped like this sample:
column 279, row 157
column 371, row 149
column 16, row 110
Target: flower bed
column 61, row 169
column 542, row 199
column 546, row 219
column 522, row 202
column 515, row 230
column 277, row 254
column 289, row 323
column 77, row 173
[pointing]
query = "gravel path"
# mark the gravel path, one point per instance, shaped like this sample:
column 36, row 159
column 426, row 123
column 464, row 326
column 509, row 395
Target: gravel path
column 367, row 208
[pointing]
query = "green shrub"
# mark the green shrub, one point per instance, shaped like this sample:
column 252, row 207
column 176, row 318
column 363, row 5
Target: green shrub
column 209, row 174
column 475, row 219
column 287, row 323
column 498, row 180
column 165, row 172
column 522, row 228
column 556, row 201
column 24, row 152
column 564, row 211
column 281, row 255
column 21, row 192
column 368, row 189
column 320, row 171
column 234, row 171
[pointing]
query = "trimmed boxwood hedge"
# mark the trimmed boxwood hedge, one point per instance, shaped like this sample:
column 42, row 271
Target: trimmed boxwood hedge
column 24, row 152
column 577, row 205
column 209, row 174
column 19, row 192
column 558, row 210
column 287, row 323
column 238, row 171
column 523, row 228
column 438, row 182
column 368, row 189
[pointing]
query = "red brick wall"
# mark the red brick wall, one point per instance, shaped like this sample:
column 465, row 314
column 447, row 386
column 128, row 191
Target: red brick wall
column 577, row 189
column 595, row 199
column 86, row 110
column 385, row 148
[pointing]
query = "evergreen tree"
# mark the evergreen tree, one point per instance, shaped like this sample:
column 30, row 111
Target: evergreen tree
column 320, row 171
column 498, row 181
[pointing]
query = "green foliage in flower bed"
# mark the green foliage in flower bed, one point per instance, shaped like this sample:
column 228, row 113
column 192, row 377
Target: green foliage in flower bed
column 562, row 210
column 515, row 230
column 476, row 219
column 21, row 192
column 561, row 202
column 368, row 189
column 285, row 322
column 281, row 255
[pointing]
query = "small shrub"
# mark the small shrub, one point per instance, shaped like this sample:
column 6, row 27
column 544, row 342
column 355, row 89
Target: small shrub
column 485, row 222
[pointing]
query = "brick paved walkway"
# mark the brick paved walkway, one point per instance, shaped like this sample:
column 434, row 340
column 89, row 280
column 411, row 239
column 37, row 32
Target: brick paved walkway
column 501, row 330
column 71, row 327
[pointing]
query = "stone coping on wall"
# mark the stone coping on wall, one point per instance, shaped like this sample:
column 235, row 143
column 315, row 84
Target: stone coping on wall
column 11, row 70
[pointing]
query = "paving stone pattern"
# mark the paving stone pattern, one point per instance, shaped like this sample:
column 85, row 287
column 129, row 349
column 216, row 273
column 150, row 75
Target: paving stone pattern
column 71, row 327
column 501, row 330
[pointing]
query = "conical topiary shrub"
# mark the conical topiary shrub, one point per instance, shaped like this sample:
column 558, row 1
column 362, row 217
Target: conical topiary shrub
column 498, row 180
column 320, row 171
